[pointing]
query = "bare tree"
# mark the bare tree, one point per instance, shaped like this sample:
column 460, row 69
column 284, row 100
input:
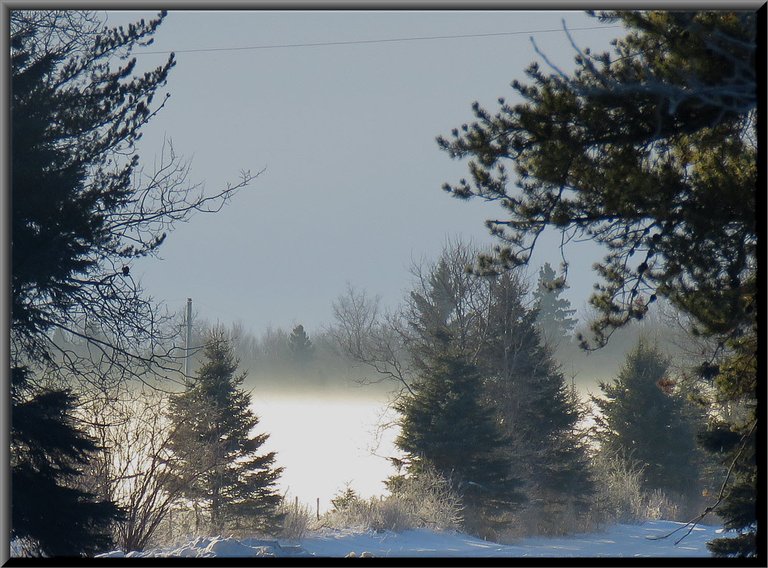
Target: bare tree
column 135, row 468
column 370, row 338
column 78, row 109
column 466, row 297
column 389, row 343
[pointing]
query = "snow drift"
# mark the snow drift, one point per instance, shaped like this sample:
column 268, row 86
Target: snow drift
column 641, row 540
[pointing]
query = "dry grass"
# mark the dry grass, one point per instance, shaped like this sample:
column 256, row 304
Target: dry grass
column 620, row 496
column 423, row 501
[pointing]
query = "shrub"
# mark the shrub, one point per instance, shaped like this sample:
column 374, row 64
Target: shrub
column 297, row 518
column 423, row 501
column 345, row 499
column 430, row 499
column 620, row 497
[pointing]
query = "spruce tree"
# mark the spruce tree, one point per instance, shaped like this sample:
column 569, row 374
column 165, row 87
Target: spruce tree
column 642, row 417
column 73, row 108
column 535, row 409
column 555, row 316
column 82, row 206
column 485, row 323
column 213, row 424
column 76, row 113
column 433, row 317
column 446, row 427
column 300, row 345
column 448, row 301
column 50, row 513
column 80, row 214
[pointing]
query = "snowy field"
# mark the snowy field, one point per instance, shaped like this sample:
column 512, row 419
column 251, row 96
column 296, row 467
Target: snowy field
column 345, row 429
column 616, row 541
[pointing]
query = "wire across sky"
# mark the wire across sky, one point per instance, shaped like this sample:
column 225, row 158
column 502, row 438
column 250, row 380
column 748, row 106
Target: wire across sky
column 371, row 41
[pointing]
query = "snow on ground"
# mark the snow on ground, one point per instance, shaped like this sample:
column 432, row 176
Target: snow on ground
column 641, row 540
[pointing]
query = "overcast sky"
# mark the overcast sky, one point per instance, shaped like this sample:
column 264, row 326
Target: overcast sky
column 351, row 191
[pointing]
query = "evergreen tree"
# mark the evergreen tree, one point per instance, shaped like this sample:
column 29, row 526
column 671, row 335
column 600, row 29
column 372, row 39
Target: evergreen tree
column 732, row 438
column 448, row 302
column 535, row 409
column 555, row 318
column 345, row 499
column 50, row 514
column 212, row 438
column 635, row 150
column 300, row 345
column 484, row 322
column 446, row 427
column 70, row 111
column 80, row 213
column 75, row 221
column 641, row 416
column 433, row 316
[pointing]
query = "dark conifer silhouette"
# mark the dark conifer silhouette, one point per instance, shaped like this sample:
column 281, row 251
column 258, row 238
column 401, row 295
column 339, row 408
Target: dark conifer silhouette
column 536, row 410
column 300, row 345
column 446, row 428
column 50, row 514
column 641, row 417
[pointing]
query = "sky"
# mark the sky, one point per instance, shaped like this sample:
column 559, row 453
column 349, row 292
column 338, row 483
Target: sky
column 351, row 188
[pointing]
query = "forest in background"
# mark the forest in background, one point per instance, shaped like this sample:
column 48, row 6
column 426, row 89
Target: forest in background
column 292, row 360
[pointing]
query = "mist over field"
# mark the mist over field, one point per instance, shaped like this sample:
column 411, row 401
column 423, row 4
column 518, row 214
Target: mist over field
column 331, row 375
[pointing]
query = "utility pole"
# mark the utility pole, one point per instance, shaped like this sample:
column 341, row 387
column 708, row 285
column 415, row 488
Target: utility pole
column 188, row 341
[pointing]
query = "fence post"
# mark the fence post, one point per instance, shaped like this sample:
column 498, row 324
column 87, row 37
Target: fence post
column 318, row 508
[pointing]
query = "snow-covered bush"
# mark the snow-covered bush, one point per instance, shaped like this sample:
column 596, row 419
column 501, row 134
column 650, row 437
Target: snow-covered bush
column 390, row 514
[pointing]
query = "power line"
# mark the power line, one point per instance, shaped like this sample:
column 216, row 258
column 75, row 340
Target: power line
column 369, row 41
